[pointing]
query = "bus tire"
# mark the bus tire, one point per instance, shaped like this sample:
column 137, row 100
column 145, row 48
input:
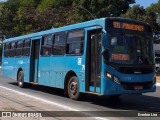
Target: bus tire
column 73, row 88
column 20, row 79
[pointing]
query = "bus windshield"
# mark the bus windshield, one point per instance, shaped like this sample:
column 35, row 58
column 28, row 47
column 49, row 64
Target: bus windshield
column 130, row 49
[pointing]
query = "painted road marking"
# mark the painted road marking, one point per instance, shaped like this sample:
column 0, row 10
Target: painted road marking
column 50, row 102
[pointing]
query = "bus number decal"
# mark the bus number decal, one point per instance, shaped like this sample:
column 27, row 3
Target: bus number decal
column 79, row 61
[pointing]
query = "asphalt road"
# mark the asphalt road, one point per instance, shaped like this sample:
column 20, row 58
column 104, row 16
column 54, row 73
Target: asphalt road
column 148, row 102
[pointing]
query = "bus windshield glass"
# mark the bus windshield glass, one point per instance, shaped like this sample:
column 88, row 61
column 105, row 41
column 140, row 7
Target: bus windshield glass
column 130, row 49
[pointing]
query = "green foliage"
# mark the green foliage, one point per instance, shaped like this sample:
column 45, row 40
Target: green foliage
column 45, row 4
column 136, row 12
column 100, row 8
column 19, row 17
column 27, row 3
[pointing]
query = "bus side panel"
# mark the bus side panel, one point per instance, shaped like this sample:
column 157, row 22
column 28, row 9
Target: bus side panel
column 44, row 71
column 57, row 69
column 9, row 67
column 76, row 64
column 26, row 68
column 12, row 65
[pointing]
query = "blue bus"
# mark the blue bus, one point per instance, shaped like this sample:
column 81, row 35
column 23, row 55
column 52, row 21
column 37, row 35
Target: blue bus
column 107, row 56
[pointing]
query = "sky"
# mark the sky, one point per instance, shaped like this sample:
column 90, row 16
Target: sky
column 2, row 0
column 144, row 3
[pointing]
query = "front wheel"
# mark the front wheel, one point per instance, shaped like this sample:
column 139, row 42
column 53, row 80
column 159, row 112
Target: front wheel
column 73, row 88
column 21, row 82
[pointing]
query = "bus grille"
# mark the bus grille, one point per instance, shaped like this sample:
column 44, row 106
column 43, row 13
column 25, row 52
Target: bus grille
column 129, row 70
column 134, row 86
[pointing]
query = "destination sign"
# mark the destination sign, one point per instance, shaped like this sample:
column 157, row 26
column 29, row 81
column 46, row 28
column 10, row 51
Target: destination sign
column 128, row 26
column 120, row 57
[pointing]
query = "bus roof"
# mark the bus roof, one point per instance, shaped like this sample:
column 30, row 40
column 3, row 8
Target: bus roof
column 96, row 22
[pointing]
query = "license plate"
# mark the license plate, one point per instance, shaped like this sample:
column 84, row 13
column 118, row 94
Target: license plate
column 138, row 87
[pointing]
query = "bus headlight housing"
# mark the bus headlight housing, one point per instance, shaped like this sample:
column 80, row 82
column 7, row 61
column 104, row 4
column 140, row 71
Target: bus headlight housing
column 113, row 78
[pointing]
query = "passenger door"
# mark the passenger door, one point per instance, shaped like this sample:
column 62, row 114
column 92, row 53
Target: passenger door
column 34, row 59
column 93, row 60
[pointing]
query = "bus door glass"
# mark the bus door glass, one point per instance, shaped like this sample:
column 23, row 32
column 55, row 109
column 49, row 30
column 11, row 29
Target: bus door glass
column 34, row 60
column 93, row 60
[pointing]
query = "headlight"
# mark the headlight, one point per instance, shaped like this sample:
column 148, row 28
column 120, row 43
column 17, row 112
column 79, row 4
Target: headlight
column 113, row 77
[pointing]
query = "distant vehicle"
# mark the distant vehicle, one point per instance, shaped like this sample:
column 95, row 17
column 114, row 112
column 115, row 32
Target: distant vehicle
column 157, row 62
column 107, row 56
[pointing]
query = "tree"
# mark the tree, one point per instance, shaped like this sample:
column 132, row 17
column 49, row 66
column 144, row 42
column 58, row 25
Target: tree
column 136, row 12
column 154, row 11
column 8, row 12
column 19, row 17
column 99, row 8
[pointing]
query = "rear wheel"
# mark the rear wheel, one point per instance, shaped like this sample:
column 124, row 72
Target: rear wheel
column 21, row 82
column 73, row 88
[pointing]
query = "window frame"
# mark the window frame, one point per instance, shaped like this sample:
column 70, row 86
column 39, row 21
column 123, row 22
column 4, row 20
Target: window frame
column 7, row 50
column 82, row 43
column 11, row 50
column 60, row 45
column 43, row 45
column 26, row 47
column 19, row 48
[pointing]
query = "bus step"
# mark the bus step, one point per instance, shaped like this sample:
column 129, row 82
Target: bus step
column 93, row 93
column 33, row 83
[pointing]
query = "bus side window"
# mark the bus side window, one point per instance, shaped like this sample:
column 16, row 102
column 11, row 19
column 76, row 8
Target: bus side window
column 75, row 41
column 59, row 44
column 19, row 48
column 6, row 49
column 47, row 42
column 26, row 49
column 12, row 51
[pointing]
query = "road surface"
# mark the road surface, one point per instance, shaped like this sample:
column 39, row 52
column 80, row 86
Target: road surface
column 40, row 98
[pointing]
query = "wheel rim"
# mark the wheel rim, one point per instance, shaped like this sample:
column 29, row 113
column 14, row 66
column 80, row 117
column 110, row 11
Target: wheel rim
column 73, row 88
